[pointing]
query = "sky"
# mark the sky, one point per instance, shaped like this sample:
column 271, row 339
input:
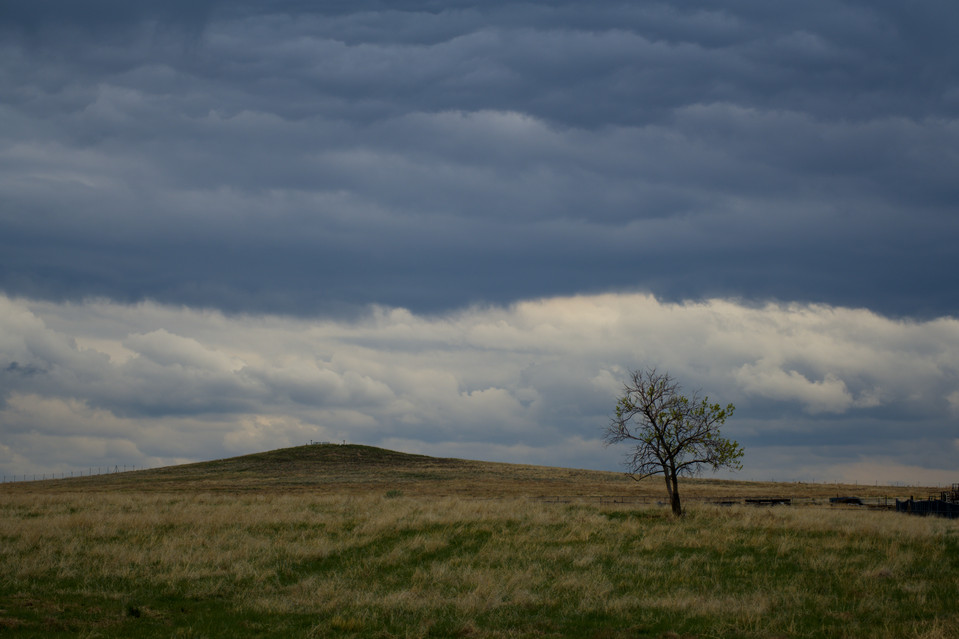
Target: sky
column 452, row 228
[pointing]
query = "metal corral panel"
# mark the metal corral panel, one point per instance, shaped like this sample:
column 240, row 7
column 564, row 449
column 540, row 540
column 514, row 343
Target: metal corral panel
column 928, row 507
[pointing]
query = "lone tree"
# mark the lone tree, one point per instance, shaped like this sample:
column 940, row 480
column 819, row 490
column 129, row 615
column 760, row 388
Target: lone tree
column 673, row 434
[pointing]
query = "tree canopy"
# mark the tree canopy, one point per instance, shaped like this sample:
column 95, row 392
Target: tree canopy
column 671, row 433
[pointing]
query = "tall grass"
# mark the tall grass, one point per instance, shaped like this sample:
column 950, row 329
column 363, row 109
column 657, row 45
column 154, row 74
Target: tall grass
column 148, row 564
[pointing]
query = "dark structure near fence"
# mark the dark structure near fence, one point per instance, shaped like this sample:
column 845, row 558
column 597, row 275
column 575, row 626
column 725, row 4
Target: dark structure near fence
column 849, row 501
column 769, row 501
column 945, row 504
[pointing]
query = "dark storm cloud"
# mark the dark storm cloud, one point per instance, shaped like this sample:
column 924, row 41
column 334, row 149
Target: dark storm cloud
column 283, row 157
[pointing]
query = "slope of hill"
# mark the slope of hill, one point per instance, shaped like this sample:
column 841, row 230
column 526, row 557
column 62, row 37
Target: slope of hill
column 347, row 468
column 356, row 469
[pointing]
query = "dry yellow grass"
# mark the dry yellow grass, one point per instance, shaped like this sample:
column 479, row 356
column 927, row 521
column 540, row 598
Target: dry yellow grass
column 362, row 563
column 331, row 548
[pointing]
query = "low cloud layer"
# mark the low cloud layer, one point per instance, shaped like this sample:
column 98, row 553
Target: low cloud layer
column 822, row 393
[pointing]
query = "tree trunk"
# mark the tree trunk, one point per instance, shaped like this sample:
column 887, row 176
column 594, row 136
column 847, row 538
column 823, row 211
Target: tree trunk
column 672, row 486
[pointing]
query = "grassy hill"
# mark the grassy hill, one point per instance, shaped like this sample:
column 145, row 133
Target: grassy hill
column 356, row 469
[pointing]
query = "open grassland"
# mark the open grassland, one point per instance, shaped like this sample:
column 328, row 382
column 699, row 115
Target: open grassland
column 398, row 562
column 361, row 470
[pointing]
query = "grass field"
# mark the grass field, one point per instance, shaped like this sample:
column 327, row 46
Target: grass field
column 318, row 542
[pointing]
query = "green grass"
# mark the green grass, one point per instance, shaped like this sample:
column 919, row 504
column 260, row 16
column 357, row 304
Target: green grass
column 159, row 565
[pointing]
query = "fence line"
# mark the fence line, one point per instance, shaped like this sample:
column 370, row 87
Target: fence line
column 884, row 502
column 100, row 470
column 118, row 468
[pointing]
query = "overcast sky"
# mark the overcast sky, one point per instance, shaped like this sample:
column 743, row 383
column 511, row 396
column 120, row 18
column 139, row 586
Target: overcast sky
column 452, row 227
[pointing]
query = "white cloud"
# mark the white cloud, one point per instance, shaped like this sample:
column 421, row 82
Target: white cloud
column 953, row 399
column 826, row 395
column 534, row 380
column 166, row 349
